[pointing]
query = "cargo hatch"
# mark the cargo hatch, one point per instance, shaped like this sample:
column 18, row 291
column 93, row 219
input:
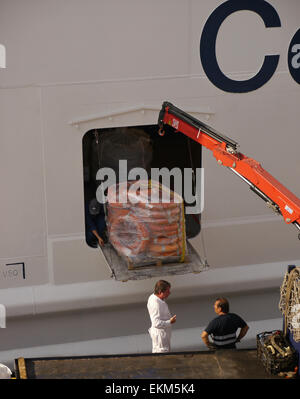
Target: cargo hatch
column 142, row 147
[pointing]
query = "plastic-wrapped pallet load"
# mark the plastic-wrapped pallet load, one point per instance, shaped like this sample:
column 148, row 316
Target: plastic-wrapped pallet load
column 146, row 223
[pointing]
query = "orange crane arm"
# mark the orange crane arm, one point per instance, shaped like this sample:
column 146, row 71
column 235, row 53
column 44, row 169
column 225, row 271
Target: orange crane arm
column 224, row 149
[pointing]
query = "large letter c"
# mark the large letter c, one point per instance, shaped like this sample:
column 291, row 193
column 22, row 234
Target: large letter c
column 208, row 45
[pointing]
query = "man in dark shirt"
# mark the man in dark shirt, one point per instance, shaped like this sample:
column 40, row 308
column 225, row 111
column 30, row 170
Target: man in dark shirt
column 94, row 223
column 223, row 328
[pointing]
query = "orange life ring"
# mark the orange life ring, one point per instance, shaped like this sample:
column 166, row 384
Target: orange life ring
column 145, row 197
column 151, row 190
column 160, row 226
column 162, row 249
column 165, row 240
column 163, row 213
column 157, row 206
column 164, row 205
column 116, row 211
column 121, row 237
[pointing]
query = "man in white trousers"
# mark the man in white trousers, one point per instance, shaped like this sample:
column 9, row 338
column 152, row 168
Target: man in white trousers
column 161, row 319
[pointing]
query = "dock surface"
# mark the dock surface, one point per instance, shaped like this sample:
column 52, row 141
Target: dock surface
column 220, row 364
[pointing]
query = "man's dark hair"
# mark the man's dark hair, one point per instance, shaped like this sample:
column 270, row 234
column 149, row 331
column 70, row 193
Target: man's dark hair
column 223, row 304
column 161, row 286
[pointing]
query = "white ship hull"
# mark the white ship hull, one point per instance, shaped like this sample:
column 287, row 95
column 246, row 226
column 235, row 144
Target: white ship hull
column 75, row 66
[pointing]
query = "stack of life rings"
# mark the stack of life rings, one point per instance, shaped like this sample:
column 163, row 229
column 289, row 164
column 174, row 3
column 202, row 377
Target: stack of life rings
column 146, row 222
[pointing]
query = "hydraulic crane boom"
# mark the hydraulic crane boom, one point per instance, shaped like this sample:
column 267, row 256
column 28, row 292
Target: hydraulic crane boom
column 224, row 149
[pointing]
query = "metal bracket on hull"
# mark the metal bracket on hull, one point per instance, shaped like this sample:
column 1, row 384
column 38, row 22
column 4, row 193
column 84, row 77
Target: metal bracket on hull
column 134, row 108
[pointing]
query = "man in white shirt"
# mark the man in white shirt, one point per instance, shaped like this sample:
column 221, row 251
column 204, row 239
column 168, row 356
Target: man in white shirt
column 161, row 319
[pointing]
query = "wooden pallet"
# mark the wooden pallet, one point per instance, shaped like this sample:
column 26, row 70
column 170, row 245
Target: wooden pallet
column 123, row 269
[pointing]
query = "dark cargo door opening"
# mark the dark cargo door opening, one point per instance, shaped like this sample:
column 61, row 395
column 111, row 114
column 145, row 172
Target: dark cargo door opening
column 141, row 146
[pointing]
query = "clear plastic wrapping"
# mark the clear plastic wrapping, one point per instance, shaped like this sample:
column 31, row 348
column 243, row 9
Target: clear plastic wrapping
column 146, row 223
